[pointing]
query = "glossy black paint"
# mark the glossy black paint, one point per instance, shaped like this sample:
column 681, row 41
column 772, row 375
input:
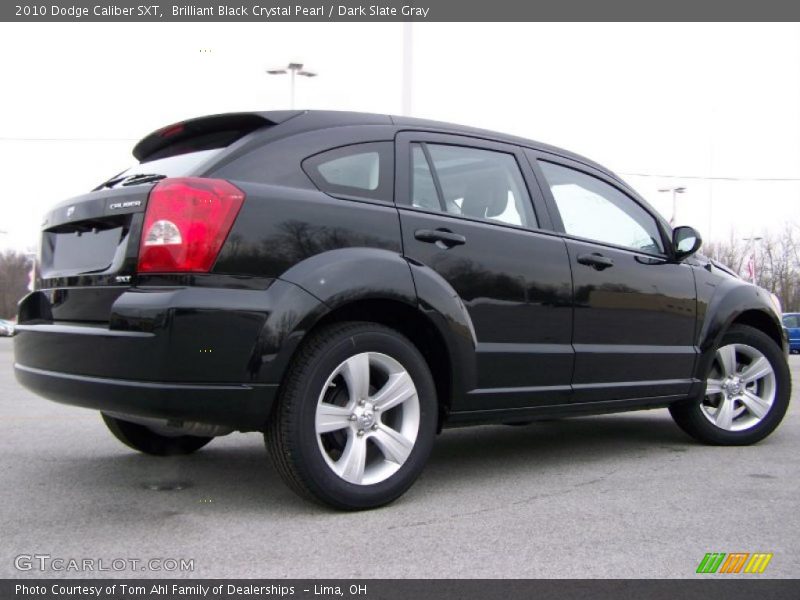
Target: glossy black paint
column 178, row 334
column 186, row 351
column 633, row 326
column 279, row 228
column 518, row 300
column 723, row 300
column 519, row 322
column 241, row 406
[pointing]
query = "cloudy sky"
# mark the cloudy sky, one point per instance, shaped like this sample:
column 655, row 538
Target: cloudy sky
column 712, row 107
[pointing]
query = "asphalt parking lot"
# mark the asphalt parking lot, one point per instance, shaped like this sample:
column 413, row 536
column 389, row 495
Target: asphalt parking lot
column 624, row 495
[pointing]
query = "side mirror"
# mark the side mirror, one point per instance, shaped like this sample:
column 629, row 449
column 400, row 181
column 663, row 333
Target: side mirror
column 685, row 242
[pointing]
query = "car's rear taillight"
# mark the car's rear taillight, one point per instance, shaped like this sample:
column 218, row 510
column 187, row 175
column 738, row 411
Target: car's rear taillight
column 186, row 223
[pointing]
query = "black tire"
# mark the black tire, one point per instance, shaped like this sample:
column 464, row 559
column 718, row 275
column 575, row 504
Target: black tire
column 291, row 436
column 689, row 417
column 144, row 440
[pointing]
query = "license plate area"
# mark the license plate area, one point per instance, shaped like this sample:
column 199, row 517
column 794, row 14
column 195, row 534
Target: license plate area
column 76, row 252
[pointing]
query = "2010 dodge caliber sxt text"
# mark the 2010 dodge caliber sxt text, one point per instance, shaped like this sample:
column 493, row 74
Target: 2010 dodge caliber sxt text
column 348, row 284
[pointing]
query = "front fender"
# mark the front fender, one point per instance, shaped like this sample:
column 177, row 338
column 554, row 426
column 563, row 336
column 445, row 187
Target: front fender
column 722, row 300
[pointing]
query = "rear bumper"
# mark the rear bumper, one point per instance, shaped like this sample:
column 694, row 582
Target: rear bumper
column 211, row 355
column 239, row 406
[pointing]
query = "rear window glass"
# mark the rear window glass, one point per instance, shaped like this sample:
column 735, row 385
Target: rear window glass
column 791, row 321
column 172, row 166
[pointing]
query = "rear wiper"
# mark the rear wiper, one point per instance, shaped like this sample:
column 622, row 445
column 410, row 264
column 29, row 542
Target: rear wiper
column 111, row 182
column 142, row 178
column 130, row 180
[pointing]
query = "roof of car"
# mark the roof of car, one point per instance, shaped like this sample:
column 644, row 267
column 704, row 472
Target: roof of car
column 309, row 120
column 320, row 119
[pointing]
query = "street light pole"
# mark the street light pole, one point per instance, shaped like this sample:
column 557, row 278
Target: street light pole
column 407, row 94
column 293, row 69
column 675, row 190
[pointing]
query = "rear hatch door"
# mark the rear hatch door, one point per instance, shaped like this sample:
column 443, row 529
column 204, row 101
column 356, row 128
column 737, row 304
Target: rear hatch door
column 90, row 243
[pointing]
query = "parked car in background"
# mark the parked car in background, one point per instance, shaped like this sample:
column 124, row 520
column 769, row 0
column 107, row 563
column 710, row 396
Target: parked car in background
column 6, row 328
column 349, row 284
column 792, row 323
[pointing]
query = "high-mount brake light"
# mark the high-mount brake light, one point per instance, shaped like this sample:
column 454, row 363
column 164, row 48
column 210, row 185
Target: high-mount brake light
column 171, row 130
column 186, row 223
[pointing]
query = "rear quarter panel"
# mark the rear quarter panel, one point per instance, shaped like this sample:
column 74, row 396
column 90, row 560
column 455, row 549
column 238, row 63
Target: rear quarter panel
column 338, row 250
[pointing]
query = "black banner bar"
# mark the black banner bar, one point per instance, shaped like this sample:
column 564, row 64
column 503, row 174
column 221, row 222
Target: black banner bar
column 394, row 10
column 717, row 588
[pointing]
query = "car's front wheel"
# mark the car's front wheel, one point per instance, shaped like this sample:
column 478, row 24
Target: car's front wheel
column 356, row 417
column 746, row 392
column 146, row 440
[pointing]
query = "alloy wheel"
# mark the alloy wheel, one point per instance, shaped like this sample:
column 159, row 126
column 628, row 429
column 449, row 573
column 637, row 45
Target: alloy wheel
column 741, row 388
column 367, row 418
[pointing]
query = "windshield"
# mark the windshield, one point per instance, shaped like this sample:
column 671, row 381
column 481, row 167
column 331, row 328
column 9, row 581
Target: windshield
column 171, row 166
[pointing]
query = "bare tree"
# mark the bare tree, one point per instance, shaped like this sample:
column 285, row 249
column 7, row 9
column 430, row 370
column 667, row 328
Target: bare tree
column 732, row 252
column 777, row 265
column 780, row 267
column 14, row 269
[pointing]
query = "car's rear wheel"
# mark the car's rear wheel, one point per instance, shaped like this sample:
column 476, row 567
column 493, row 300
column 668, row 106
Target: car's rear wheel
column 146, row 440
column 356, row 417
column 746, row 392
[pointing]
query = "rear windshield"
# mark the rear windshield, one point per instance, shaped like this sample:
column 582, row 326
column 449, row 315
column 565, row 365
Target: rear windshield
column 152, row 170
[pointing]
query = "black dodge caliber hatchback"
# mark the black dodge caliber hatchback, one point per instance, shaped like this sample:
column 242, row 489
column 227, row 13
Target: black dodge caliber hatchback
column 348, row 284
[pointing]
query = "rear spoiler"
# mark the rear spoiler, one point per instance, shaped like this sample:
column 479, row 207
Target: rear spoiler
column 204, row 133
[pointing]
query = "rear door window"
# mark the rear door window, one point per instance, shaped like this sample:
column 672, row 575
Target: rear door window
column 470, row 182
